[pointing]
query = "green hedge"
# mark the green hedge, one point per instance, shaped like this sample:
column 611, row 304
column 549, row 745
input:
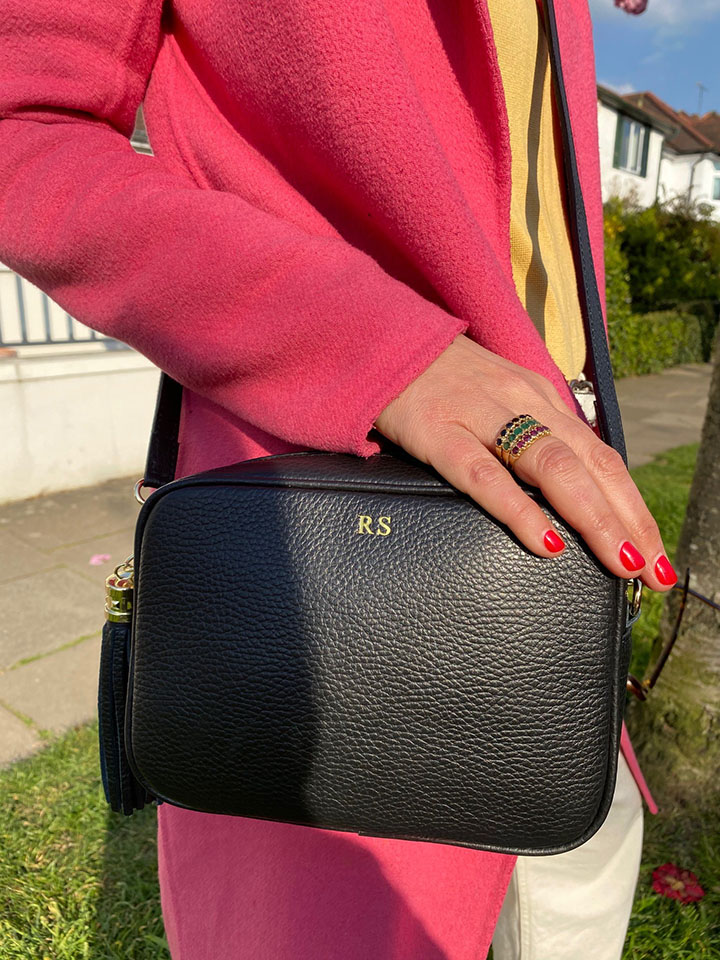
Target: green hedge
column 650, row 342
column 707, row 314
column 617, row 276
column 662, row 270
column 673, row 254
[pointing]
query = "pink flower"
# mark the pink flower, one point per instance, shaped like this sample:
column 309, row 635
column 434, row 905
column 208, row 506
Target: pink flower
column 671, row 881
column 632, row 6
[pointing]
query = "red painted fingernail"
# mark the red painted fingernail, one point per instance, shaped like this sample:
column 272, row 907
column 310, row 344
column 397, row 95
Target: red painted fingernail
column 664, row 571
column 553, row 541
column 631, row 557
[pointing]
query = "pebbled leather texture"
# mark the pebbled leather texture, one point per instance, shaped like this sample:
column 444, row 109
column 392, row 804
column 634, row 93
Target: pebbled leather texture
column 438, row 683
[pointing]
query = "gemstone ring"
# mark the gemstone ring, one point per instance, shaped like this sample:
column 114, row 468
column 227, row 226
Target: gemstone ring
column 516, row 436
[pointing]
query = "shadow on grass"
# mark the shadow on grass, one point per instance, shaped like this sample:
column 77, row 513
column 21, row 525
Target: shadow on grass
column 128, row 914
column 77, row 882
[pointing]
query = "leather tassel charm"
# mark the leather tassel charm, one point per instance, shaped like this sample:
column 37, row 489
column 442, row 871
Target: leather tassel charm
column 122, row 791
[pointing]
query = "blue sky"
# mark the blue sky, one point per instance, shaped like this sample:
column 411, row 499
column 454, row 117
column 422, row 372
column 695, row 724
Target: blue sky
column 668, row 49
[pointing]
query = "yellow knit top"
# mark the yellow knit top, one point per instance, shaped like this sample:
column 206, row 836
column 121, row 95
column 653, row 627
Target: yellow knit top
column 542, row 260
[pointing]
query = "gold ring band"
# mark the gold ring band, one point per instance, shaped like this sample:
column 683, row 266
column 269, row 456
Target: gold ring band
column 516, row 436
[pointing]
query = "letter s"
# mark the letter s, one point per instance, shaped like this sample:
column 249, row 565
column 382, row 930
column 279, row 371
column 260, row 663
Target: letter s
column 383, row 526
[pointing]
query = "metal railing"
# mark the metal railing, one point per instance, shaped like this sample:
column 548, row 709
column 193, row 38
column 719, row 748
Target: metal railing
column 28, row 317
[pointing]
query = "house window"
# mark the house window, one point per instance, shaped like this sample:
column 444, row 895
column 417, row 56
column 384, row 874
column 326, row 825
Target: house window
column 631, row 146
column 716, row 181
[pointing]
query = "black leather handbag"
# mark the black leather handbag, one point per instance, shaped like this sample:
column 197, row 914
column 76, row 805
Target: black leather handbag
column 353, row 644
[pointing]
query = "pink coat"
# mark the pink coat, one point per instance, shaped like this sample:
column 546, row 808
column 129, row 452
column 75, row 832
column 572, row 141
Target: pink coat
column 327, row 208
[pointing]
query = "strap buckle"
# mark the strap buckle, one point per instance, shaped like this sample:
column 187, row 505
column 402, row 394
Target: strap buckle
column 585, row 393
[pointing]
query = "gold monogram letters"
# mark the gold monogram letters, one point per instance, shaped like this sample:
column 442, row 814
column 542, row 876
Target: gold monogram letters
column 365, row 525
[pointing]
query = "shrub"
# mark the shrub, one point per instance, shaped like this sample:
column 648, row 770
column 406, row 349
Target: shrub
column 672, row 251
column 617, row 277
column 707, row 314
column 662, row 284
column 650, row 342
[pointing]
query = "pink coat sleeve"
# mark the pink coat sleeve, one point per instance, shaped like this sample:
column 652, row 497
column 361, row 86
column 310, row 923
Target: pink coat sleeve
column 306, row 337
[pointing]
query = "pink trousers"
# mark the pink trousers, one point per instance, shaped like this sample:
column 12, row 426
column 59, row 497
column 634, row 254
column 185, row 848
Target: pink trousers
column 236, row 889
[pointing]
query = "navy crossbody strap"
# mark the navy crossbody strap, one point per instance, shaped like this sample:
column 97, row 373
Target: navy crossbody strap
column 599, row 367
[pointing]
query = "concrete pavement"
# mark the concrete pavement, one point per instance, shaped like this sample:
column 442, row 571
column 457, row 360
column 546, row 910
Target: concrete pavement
column 663, row 410
column 56, row 551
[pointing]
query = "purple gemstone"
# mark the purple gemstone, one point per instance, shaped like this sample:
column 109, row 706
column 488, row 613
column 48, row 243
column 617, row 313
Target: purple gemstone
column 515, row 449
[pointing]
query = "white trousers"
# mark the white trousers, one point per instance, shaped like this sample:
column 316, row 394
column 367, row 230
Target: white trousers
column 576, row 905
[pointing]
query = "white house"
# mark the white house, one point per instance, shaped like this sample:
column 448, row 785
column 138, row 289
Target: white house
column 631, row 145
column 650, row 151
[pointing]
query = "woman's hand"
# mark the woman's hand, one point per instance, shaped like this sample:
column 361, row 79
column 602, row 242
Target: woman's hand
column 450, row 416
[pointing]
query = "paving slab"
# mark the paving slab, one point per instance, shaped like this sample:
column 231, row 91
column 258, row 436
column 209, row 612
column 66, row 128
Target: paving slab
column 18, row 559
column 71, row 516
column 663, row 410
column 43, row 611
column 57, row 691
column 117, row 547
column 687, row 370
column 17, row 739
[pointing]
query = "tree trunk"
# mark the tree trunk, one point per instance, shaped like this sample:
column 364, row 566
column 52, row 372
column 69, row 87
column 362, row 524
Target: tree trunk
column 677, row 731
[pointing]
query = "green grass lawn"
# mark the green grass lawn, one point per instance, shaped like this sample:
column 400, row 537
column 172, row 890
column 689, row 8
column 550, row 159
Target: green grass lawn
column 665, row 485
column 660, row 928
column 77, row 881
